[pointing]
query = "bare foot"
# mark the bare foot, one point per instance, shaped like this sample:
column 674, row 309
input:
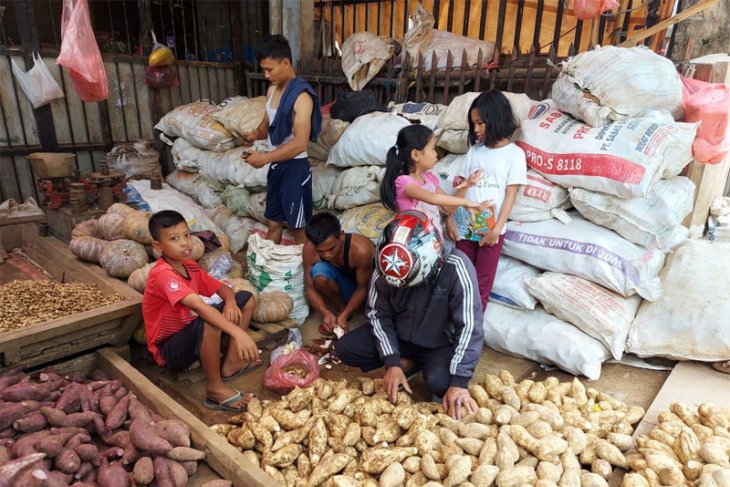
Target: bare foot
column 723, row 367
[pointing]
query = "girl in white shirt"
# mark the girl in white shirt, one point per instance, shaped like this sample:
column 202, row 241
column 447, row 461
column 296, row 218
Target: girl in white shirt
column 503, row 169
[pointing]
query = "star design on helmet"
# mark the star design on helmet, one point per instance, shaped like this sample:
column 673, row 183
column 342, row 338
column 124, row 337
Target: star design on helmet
column 394, row 262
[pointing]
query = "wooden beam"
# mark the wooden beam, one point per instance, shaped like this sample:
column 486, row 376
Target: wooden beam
column 709, row 179
column 641, row 35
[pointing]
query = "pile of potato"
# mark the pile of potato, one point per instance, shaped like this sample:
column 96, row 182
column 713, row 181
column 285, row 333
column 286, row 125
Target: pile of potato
column 72, row 430
column 26, row 303
column 529, row 433
column 688, row 447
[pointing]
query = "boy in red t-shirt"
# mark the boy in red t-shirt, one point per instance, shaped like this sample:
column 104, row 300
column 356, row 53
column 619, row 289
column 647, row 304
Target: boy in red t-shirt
column 180, row 327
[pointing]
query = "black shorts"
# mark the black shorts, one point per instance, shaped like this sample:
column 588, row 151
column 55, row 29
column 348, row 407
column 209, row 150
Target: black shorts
column 182, row 349
column 289, row 192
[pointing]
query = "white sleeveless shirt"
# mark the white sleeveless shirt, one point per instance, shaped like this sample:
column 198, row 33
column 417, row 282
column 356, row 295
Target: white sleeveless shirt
column 271, row 113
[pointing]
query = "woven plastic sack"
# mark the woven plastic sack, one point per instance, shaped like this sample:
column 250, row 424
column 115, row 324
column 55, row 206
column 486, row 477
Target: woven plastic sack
column 707, row 103
column 367, row 140
column 38, row 84
column 241, row 114
column 278, row 376
column 369, row 220
column 80, row 52
column 539, row 200
column 356, row 186
column 195, row 123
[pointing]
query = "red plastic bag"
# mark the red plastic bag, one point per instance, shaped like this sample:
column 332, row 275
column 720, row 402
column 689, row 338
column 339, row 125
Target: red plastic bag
column 80, row 52
column 164, row 76
column 278, row 379
column 590, row 9
column 707, row 103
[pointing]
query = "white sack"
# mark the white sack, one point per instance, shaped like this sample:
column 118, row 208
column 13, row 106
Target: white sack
column 367, row 140
column 510, row 288
column 453, row 123
column 539, row 200
column 588, row 251
column 425, row 113
column 332, row 130
column 136, row 160
column 690, row 320
column 185, row 182
column 185, row 155
column 369, row 220
column 256, row 206
column 356, row 186
column 541, row 337
column 363, row 55
column 645, row 221
column 273, row 267
column 616, row 83
column 239, row 114
column 623, row 158
column 447, row 169
column 323, row 179
column 195, row 123
column 598, row 312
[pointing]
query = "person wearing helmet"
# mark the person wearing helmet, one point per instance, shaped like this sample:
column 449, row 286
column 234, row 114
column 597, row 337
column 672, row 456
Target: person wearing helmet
column 423, row 309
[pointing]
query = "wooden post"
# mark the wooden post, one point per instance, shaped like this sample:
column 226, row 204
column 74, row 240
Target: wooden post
column 275, row 16
column 709, row 179
column 298, row 26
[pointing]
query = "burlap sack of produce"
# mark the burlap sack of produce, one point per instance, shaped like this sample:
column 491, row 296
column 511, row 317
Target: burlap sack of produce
column 195, row 123
column 273, row 267
column 586, row 250
column 453, row 123
column 356, row 186
column 185, row 182
column 369, row 220
column 646, row 221
column 236, row 198
column 256, row 206
column 539, row 200
column 240, row 114
column 539, row 336
column 598, row 312
column 624, row 158
column 136, row 160
column 617, row 83
column 509, row 287
column 225, row 167
column 185, row 155
column 690, row 320
column 447, row 169
column 363, row 56
column 332, row 130
column 367, row 140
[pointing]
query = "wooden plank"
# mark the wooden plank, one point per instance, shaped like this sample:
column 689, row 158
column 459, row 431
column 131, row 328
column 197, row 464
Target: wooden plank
column 127, row 101
column 144, row 103
column 24, row 178
column 220, row 455
column 664, row 24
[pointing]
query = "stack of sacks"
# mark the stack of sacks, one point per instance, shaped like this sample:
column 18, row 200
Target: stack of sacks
column 623, row 180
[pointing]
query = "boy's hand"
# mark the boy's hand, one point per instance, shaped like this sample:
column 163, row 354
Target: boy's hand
column 255, row 159
column 233, row 313
column 246, row 348
column 489, row 238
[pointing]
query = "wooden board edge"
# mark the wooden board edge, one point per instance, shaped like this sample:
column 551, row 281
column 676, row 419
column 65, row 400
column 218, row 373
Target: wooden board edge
column 229, row 463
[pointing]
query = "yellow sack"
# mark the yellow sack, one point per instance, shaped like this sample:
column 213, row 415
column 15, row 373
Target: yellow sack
column 161, row 54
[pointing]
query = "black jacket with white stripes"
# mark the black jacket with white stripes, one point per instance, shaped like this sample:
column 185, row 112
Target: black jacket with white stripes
column 433, row 314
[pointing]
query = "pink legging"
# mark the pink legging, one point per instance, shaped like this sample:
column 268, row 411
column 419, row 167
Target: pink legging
column 485, row 260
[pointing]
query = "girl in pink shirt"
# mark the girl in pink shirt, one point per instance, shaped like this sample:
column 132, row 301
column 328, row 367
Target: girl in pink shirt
column 409, row 184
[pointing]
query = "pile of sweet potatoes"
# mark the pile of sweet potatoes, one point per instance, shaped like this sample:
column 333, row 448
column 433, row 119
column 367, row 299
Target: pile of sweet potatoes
column 73, row 430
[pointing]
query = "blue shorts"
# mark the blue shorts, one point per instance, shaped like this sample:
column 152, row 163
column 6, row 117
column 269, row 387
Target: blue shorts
column 346, row 284
column 289, row 192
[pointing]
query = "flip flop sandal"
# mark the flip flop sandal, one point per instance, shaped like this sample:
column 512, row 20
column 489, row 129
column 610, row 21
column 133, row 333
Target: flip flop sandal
column 226, row 405
column 246, row 369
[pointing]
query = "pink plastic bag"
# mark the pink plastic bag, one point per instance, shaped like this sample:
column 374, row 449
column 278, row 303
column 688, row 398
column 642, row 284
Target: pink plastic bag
column 590, row 9
column 278, row 379
column 707, row 103
column 158, row 77
column 80, row 52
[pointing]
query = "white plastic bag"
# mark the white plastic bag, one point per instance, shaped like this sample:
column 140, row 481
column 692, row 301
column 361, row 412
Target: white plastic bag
column 273, row 267
column 38, row 84
column 586, row 250
column 509, row 286
column 645, row 221
column 542, row 337
column 690, row 320
column 623, row 158
column 539, row 200
column 602, row 314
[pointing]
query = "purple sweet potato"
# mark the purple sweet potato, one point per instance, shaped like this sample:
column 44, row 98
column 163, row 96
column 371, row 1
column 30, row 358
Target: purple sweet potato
column 29, row 423
column 84, row 470
column 10, row 413
column 89, row 401
column 48, row 375
column 119, row 439
column 31, row 477
column 120, row 393
column 90, row 483
column 7, row 433
column 144, row 437
column 58, row 479
column 144, row 471
column 100, row 425
column 51, row 445
column 112, row 452
column 162, row 473
column 190, row 467
column 7, row 381
column 112, row 475
column 174, row 431
column 78, row 439
column 80, row 420
column 177, row 473
column 218, row 483
column 70, row 401
column 118, row 414
column 25, row 445
column 67, row 461
column 99, row 374
column 185, row 454
column 139, row 411
column 76, row 376
column 131, row 454
column 24, row 391
column 4, row 455
column 10, row 470
column 55, row 417
column 87, row 452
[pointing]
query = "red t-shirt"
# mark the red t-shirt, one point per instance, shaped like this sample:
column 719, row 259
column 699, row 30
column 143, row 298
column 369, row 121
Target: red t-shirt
column 161, row 309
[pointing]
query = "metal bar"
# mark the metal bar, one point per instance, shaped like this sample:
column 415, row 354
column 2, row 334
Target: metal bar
column 548, row 72
column 467, row 9
column 406, row 14
column 530, row 69
column 332, row 28
column 479, row 70
column 450, row 17
column 344, row 19
column 432, row 78
column 558, row 25
column 538, row 23
column 126, row 29
column 500, row 33
column 111, row 22
column 578, row 32
column 379, row 17
column 483, row 20
column 56, row 34
column 518, row 23
column 464, row 67
column 367, row 16
column 195, row 34
column 419, row 76
column 392, row 18
column 185, row 32
column 510, row 75
column 447, row 78
column 670, row 49
column 601, row 28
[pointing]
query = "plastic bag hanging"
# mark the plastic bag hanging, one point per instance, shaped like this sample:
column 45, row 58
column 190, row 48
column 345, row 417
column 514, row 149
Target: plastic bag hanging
column 38, row 84
column 161, row 55
column 160, row 72
column 80, row 52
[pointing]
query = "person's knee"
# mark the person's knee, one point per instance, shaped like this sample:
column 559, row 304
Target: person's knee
column 322, row 282
column 250, row 304
column 437, row 381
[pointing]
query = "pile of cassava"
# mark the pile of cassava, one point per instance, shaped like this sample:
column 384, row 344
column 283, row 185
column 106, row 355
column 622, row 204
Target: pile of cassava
column 62, row 430
column 528, row 433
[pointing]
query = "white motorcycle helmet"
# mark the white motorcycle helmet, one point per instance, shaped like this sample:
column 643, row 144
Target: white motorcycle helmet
column 410, row 250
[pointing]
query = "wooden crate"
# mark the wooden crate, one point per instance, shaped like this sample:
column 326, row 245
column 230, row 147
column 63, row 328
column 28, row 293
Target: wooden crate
column 227, row 462
column 63, row 337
